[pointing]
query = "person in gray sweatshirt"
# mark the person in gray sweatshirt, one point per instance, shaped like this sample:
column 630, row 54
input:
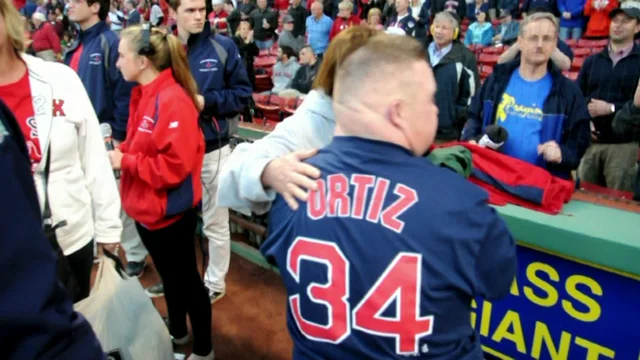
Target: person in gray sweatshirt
column 274, row 164
column 284, row 70
column 286, row 37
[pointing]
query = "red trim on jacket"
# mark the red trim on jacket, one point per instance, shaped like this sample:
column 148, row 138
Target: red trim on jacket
column 163, row 152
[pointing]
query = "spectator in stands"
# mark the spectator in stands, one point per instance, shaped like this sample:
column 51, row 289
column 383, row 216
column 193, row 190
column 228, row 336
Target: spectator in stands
column 46, row 43
column 299, row 14
column 456, row 73
column 599, row 20
column 345, row 18
column 286, row 36
column 246, row 7
column 543, row 111
column 37, row 320
column 572, row 19
column 265, row 23
column 116, row 18
column 456, row 6
column 562, row 55
column 306, row 74
column 318, row 28
column 531, row 6
column 234, row 18
column 218, row 17
column 247, row 49
column 156, row 16
column 480, row 32
column 29, row 8
column 626, row 125
column 373, row 19
column 42, row 7
column 608, row 80
column 402, row 19
column 256, row 172
column 423, row 18
column 507, row 31
column 476, row 7
column 133, row 15
column 284, row 70
column 507, row 5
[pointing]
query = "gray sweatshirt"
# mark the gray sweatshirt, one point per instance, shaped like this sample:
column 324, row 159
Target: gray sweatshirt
column 287, row 39
column 283, row 74
column 310, row 127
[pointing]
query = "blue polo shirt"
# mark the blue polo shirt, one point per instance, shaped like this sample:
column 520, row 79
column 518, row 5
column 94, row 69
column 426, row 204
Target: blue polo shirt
column 318, row 31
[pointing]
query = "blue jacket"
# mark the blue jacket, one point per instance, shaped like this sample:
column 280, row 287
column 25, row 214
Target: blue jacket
column 409, row 226
column 108, row 91
column 37, row 320
column 225, row 92
column 511, row 34
column 485, row 31
column 565, row 115
column 576, row 8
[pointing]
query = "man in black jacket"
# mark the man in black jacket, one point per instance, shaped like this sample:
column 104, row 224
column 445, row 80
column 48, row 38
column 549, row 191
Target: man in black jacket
column 265, row 23
column 37, row 320
column 626, row 125
column 306, row 74
column 456, row 72
column 299, row 14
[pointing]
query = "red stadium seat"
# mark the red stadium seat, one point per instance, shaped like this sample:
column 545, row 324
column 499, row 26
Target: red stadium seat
column 581, row 52
column 263, row 62
column 488, row 59
column 573, row 75
column 263, row 53
column 493, row 50
column 577, row 63
column 572, row 43
column 485, row 71
column 597, row 49
column 586, row 43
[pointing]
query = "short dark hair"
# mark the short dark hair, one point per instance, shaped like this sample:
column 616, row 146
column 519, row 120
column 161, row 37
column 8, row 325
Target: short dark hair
column 105, row 6
column 307, row 46
column 288, row 50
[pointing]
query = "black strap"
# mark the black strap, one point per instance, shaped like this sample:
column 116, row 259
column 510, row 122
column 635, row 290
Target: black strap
column 46, row 214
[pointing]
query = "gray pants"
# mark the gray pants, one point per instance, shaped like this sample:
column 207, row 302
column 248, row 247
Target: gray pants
column 130, row 240
column 610, row 165
column 47, row 55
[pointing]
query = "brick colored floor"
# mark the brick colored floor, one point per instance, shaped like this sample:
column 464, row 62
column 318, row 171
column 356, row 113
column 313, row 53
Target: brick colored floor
column 249, row 321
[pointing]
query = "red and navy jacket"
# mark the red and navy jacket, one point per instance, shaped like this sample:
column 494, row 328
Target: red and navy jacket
column 382, row 262
column 37, row 320
column 108, row 91
column 565, row 115
column 163, row 154
column 226, row 89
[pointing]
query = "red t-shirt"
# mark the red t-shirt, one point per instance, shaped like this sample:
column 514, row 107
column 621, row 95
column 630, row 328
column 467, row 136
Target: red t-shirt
column 75, row 58
column 17, row 97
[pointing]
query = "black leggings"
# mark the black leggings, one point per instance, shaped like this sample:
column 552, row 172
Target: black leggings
column 173, row 252
column 81, row 264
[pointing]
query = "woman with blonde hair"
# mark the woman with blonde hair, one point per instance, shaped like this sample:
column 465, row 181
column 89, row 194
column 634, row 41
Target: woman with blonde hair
column 76, row 187
column 256, row 172
column 161, row 164
column 374, row 19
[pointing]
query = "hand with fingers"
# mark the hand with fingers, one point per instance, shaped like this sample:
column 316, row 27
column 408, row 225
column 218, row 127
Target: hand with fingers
column 290, row 177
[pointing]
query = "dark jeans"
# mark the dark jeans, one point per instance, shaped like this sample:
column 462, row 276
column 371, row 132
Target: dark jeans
column 81, row 264
column 173, row 252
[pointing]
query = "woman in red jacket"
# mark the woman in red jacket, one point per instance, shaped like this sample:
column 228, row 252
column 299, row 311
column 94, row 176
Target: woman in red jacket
column 161, row 161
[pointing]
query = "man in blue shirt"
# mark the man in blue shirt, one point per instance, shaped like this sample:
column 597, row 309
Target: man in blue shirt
column 544, row 113
column 318, row 29
column 384, row 258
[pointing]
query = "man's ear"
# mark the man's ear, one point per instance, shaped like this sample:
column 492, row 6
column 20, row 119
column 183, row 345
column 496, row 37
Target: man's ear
column 395, row 114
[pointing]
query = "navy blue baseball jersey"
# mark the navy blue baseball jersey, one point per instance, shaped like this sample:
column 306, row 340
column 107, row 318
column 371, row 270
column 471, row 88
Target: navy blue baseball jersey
column 383, row 260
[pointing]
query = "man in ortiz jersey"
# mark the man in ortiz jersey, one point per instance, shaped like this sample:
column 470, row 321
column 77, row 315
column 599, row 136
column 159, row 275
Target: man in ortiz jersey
column 384, row 258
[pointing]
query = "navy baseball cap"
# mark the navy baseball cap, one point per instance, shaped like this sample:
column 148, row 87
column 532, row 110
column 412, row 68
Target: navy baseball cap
column 631, row 8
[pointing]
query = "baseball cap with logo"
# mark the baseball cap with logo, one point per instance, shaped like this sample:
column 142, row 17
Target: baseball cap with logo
column 631, row 8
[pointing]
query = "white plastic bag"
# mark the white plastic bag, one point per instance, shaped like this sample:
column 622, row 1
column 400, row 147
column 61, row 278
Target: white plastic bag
column 124, row 318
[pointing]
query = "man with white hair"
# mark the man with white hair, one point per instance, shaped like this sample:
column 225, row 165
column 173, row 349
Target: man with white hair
column 456, row 73
column 46, row 43
column 543, row 112
column 370, row 239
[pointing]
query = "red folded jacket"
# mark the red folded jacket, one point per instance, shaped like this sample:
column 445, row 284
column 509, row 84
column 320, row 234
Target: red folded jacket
column 513, row 181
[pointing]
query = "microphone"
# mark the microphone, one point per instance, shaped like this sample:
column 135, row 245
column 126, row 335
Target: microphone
column 494, row 137
column 106, row 131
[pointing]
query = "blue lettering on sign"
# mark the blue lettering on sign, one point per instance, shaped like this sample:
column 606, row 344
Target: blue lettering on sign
column 560, row 309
